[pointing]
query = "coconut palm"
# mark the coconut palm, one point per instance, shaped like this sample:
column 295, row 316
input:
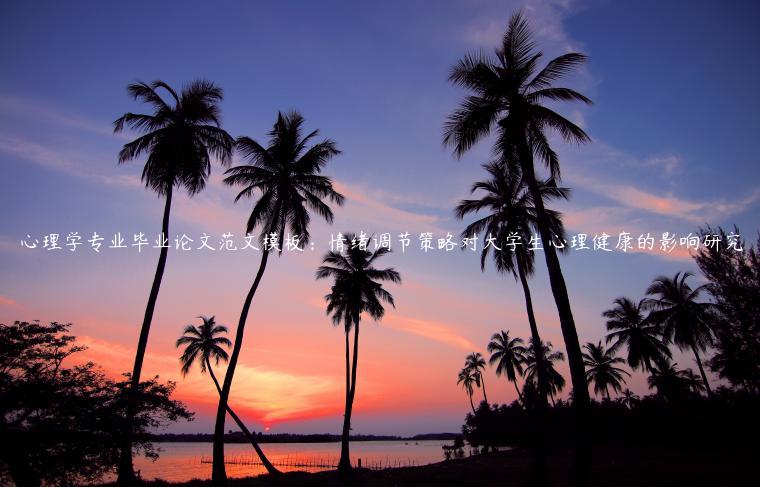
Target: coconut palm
column 506, row 92
column 602, row 370
column 511, row 213
column 668, row 381
column 467, row 380
column 286, row 177
column 628, row 398
column 203, row 344
column 477, row 364
column 179, row 139
column 685, row 321
column 628, row 326
column 693, row 380
column 555, row 381
column 357, row 288
column 508, row 355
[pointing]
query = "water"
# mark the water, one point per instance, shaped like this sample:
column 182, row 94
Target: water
column 179, row 462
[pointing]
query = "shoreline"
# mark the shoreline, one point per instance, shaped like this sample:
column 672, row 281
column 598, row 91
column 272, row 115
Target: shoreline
column 614, row 464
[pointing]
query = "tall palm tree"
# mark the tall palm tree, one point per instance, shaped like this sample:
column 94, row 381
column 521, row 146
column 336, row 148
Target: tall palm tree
column 602, row 370
column 686, row 321
column 511, row 213
column 508, row 354
column 477, row 364
column 202, row 344
column 506, row 94
column 467, row 380
column 179, row 139
column 628, row 326
column 357, row 288
column 555, row 381
column 286, row 176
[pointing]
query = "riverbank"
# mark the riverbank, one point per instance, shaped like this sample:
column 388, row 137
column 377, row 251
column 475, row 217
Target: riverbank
column 617, row 465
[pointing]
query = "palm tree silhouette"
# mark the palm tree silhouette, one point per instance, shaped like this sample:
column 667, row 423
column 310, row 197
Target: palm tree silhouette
column 601, row 368
column 685, row 320
column 506, row 94
column 287, row 176
column 467, row 379
column 668, row 381
column 179, row 140
column 477, row 364
column 508, row 355
column 357, row 288
column 628, row 327
column 202, row 345
column 555, row 381
column 693, row 380
column 512, row 213
column 628, row 398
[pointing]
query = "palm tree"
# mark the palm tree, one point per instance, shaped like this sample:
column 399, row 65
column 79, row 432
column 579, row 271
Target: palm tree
column 627, row 326
column 555, row 381
column 668, row 381
column 179, row 139
column 628, row 398
column 512, row 213
column 477, row 364
column 506, row 94
column 601, row 368
column 508, row 355
column 693, row 380
column 286, row 175
column 357, row 288
column 203, row 345
column 467, row 379
column 686, row 321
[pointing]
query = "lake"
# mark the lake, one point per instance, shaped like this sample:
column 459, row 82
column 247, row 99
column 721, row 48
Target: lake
column 186, row 461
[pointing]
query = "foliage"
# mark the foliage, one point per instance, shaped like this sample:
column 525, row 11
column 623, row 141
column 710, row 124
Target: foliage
column 61, row 423
column 734, row 284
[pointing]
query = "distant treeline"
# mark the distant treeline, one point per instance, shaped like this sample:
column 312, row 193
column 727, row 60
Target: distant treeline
column 239, row 437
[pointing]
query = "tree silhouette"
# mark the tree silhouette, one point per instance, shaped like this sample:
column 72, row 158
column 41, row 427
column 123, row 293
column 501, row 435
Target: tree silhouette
column 467, row 380
column 477, row 364
column 555, row 380
column 628, row 399
column 203, row 345
column 357, row 288
column 627, row 326
column 686, row 321
column 506, row 93
column 287, row 177
column 511, row 214
column 668, row 381
column 179, row 140
column 601, row 368
column 508, row 355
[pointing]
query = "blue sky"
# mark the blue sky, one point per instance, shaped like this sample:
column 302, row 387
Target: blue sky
column 674, row 85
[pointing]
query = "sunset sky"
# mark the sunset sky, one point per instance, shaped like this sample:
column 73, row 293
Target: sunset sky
column 674, row 130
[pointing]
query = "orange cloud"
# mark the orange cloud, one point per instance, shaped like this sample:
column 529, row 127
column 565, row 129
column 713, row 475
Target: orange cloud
column 6, row 301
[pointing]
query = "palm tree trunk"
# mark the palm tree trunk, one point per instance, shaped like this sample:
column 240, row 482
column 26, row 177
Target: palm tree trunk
column 126, row 474
column 483, row 381
column 701, row 370
column 582, row 454
column 344, row 445
column 344, row 464
column 519, row 394
column 218, row 472
column 264, row 460
column 471, row 403
column 561, row 299
column 538, row 351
